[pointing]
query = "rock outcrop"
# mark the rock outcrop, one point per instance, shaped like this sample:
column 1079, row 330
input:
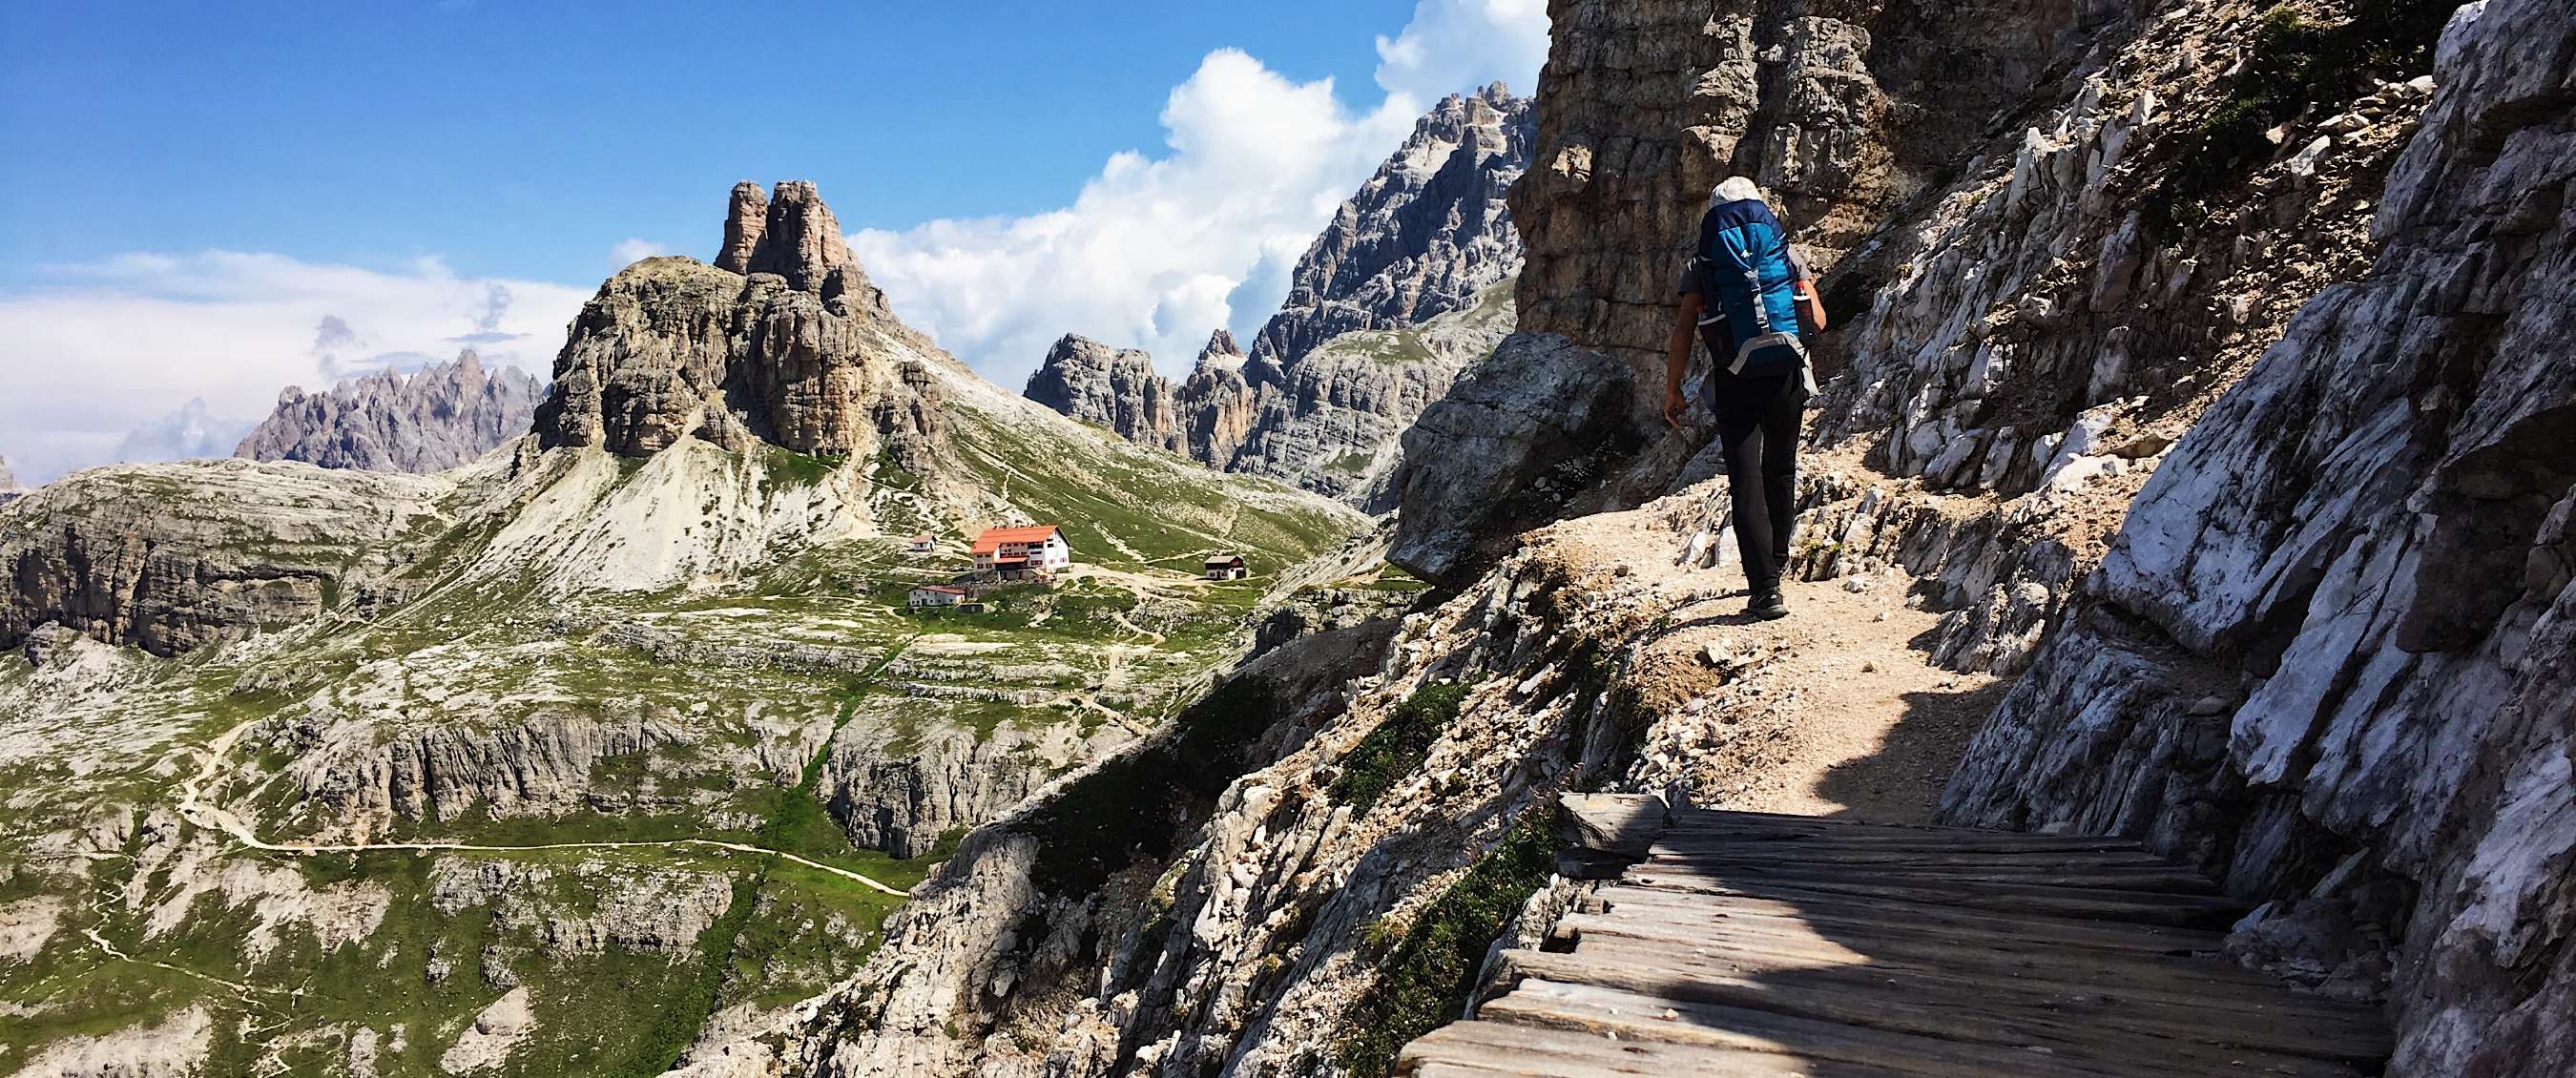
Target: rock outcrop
column 1217, row 402
column 1332, row 420
column 2325, row 655
column 10, row 491
column 1526, row 430
column 903, row 795
column 783, row 342
column 431, row 420
column 1425, row 236
column 1113, row 388
column 166, row 557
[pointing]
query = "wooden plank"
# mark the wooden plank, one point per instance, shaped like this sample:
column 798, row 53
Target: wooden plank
column 1596, row 1009
column 2196, row 911
column 2191, row 987
column 1969, row 843
column 1698, row 817
column 1880, row 854
column 1505, row 1048
column 1830, row 909
column 2160, row 878
column 1996, row 955
column 2106, row 1006
column 1872, row 1003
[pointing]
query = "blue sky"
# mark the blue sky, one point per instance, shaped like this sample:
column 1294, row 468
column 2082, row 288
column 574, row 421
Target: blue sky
column 191, row 188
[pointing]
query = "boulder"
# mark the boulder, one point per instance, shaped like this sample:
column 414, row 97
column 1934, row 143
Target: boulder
column 1503, row 449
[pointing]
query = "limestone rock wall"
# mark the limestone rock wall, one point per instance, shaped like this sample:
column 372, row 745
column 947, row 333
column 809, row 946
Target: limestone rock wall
column 2325, row 655
column 427, row 421
column 903, row 795
column 1115, row 388
column 1425, row 236
column 167, row 557
column 1842, row 111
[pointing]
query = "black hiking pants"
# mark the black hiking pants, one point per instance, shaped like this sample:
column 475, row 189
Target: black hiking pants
column 1757, row 429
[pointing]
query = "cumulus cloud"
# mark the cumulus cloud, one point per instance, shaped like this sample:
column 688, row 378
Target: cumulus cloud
column 1158, row 251
column 1455, row 44
column 111, row 346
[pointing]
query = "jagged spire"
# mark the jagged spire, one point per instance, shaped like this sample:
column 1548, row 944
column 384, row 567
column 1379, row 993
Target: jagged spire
column 790, row 233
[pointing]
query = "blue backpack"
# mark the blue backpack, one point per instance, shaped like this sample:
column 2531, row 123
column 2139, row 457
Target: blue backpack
column 1746, row 281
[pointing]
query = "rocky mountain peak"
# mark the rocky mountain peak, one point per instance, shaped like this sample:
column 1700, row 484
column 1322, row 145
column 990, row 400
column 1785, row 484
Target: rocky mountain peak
column 783, row 340
column 437, row 418
column 9, row 489
column 1221, row 352
column 1421, row 238
column 790, row 233
column 1109, row 387
column 1409, row 273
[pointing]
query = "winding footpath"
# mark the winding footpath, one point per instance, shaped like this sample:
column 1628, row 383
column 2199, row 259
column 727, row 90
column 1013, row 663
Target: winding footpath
column 194, row 808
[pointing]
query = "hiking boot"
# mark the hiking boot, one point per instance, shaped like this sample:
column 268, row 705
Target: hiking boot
column 1768, row 606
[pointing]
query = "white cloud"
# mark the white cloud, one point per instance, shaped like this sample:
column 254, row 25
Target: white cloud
column 114, row 345
column 1157, row 252
column 1452, row 45
column 632, row 250
column 191, row 432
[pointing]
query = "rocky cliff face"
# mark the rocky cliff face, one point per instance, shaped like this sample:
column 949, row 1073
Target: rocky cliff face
column 428, row 421
column 2323, row 656
column 1425, row 236
column 1841, row 112
column 1405, row 288
column 1115, row 388
column 783, row 342
column 1217, row 402
column 168, row 557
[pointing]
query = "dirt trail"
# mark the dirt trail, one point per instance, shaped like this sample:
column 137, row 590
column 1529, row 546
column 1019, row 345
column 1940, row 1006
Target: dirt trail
column 1836, row 710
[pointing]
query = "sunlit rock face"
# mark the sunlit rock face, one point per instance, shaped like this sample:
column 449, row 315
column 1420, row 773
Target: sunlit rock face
column 784, row 341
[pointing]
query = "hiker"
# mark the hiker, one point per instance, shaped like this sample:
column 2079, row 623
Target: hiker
column 1749, row 299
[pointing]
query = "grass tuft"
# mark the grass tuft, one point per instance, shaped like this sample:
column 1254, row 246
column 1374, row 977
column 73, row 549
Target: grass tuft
column 1397, row 747
column 1424, row 982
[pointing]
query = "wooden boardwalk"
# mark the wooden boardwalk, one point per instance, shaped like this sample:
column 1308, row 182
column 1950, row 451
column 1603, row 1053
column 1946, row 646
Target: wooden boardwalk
column 1750, row 944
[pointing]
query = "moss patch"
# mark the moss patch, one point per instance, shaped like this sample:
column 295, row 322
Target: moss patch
column 1397, row 747
column 1426, row 978
column 2295, row 64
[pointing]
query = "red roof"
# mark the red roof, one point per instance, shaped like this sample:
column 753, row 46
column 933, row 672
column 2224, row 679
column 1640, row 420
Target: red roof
column 993, row 538
column 943, row 589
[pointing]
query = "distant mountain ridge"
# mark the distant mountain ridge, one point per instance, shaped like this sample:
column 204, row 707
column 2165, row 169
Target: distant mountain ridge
column 440, row 417
column 1427, row 239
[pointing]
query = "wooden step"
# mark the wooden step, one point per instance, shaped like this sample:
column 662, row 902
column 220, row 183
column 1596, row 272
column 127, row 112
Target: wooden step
column 2147, row 907
column 1594, row 1009
column 1859, row 999
column 2033, row 870
column 1986, row 955
column 2151, row 999
column 1824, row 908
column 1491, row 1048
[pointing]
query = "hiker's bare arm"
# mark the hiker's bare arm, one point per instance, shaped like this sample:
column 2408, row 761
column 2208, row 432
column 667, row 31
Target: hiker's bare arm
column 1811, row 310
column 1677, row 355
